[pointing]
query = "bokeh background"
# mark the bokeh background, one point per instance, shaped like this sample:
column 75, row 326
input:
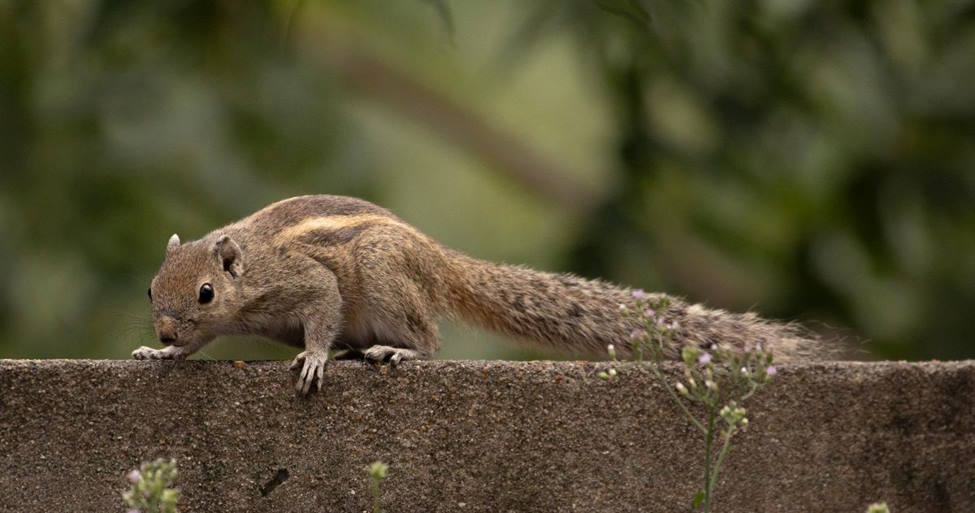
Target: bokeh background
column 807, row 160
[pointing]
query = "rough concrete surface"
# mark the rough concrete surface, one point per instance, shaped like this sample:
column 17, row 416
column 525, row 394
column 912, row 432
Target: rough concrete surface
column 479, row 436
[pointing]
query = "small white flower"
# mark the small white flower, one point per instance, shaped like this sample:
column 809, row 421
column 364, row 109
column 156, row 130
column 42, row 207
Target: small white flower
column 134, row 476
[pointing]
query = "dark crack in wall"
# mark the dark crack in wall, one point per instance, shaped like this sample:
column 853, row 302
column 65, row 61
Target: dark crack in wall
column 479, row 436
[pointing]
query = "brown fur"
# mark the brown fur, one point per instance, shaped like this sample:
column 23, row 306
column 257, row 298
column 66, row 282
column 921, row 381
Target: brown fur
column 324, row 272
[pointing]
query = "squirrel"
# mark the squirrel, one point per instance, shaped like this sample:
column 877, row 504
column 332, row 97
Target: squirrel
column 338, row 273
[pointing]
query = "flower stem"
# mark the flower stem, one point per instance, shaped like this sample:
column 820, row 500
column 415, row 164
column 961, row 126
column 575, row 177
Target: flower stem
column 751, row 390
column 707, row 460
column 374, row 489
column 717, row 464
column 674, row 396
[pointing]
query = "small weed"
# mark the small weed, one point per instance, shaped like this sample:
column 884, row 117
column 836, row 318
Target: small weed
column 716, row 382
column 377, row 472
column 151, row 492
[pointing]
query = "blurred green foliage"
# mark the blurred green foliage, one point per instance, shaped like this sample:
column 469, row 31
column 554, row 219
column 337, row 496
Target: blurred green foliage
column 809, row 160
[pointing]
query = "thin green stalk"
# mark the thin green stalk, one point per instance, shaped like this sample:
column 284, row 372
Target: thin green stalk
column 676, row 398
column 751, row 390
column 707, row 461
column 377, row 506
column 717, row 464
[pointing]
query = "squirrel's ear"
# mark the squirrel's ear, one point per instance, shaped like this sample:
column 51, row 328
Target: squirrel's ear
column 230, row 256
column 172, row 244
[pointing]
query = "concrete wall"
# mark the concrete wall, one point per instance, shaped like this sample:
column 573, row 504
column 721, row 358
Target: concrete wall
column 479, row 436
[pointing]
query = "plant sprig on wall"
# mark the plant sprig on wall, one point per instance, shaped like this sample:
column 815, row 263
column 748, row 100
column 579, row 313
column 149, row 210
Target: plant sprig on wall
column 715, row 383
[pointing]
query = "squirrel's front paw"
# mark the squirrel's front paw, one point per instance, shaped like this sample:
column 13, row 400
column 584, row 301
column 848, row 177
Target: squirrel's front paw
column 312, row 365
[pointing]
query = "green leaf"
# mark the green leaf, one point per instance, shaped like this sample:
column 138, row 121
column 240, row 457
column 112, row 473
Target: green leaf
column 698, row 499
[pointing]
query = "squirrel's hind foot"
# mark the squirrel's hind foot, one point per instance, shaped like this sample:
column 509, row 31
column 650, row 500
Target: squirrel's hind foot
column 393, row 355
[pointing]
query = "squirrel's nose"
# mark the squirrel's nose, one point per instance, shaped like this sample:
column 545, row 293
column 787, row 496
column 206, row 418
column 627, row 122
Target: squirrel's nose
column 167, row 337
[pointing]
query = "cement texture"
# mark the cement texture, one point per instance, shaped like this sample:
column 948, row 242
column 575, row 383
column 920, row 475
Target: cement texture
column 465, row 436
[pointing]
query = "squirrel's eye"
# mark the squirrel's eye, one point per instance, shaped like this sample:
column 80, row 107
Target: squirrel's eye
column 206, row 293
column 150, row 295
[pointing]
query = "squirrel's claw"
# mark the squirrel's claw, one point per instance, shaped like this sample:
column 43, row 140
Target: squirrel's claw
column 312, row 365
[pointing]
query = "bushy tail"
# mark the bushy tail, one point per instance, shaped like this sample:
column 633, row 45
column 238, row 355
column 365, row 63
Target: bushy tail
column 577, row 315
column 560, row 310
column 703, row 327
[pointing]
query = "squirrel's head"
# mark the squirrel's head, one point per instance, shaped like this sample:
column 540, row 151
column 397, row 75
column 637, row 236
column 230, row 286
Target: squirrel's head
column 194, row 294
